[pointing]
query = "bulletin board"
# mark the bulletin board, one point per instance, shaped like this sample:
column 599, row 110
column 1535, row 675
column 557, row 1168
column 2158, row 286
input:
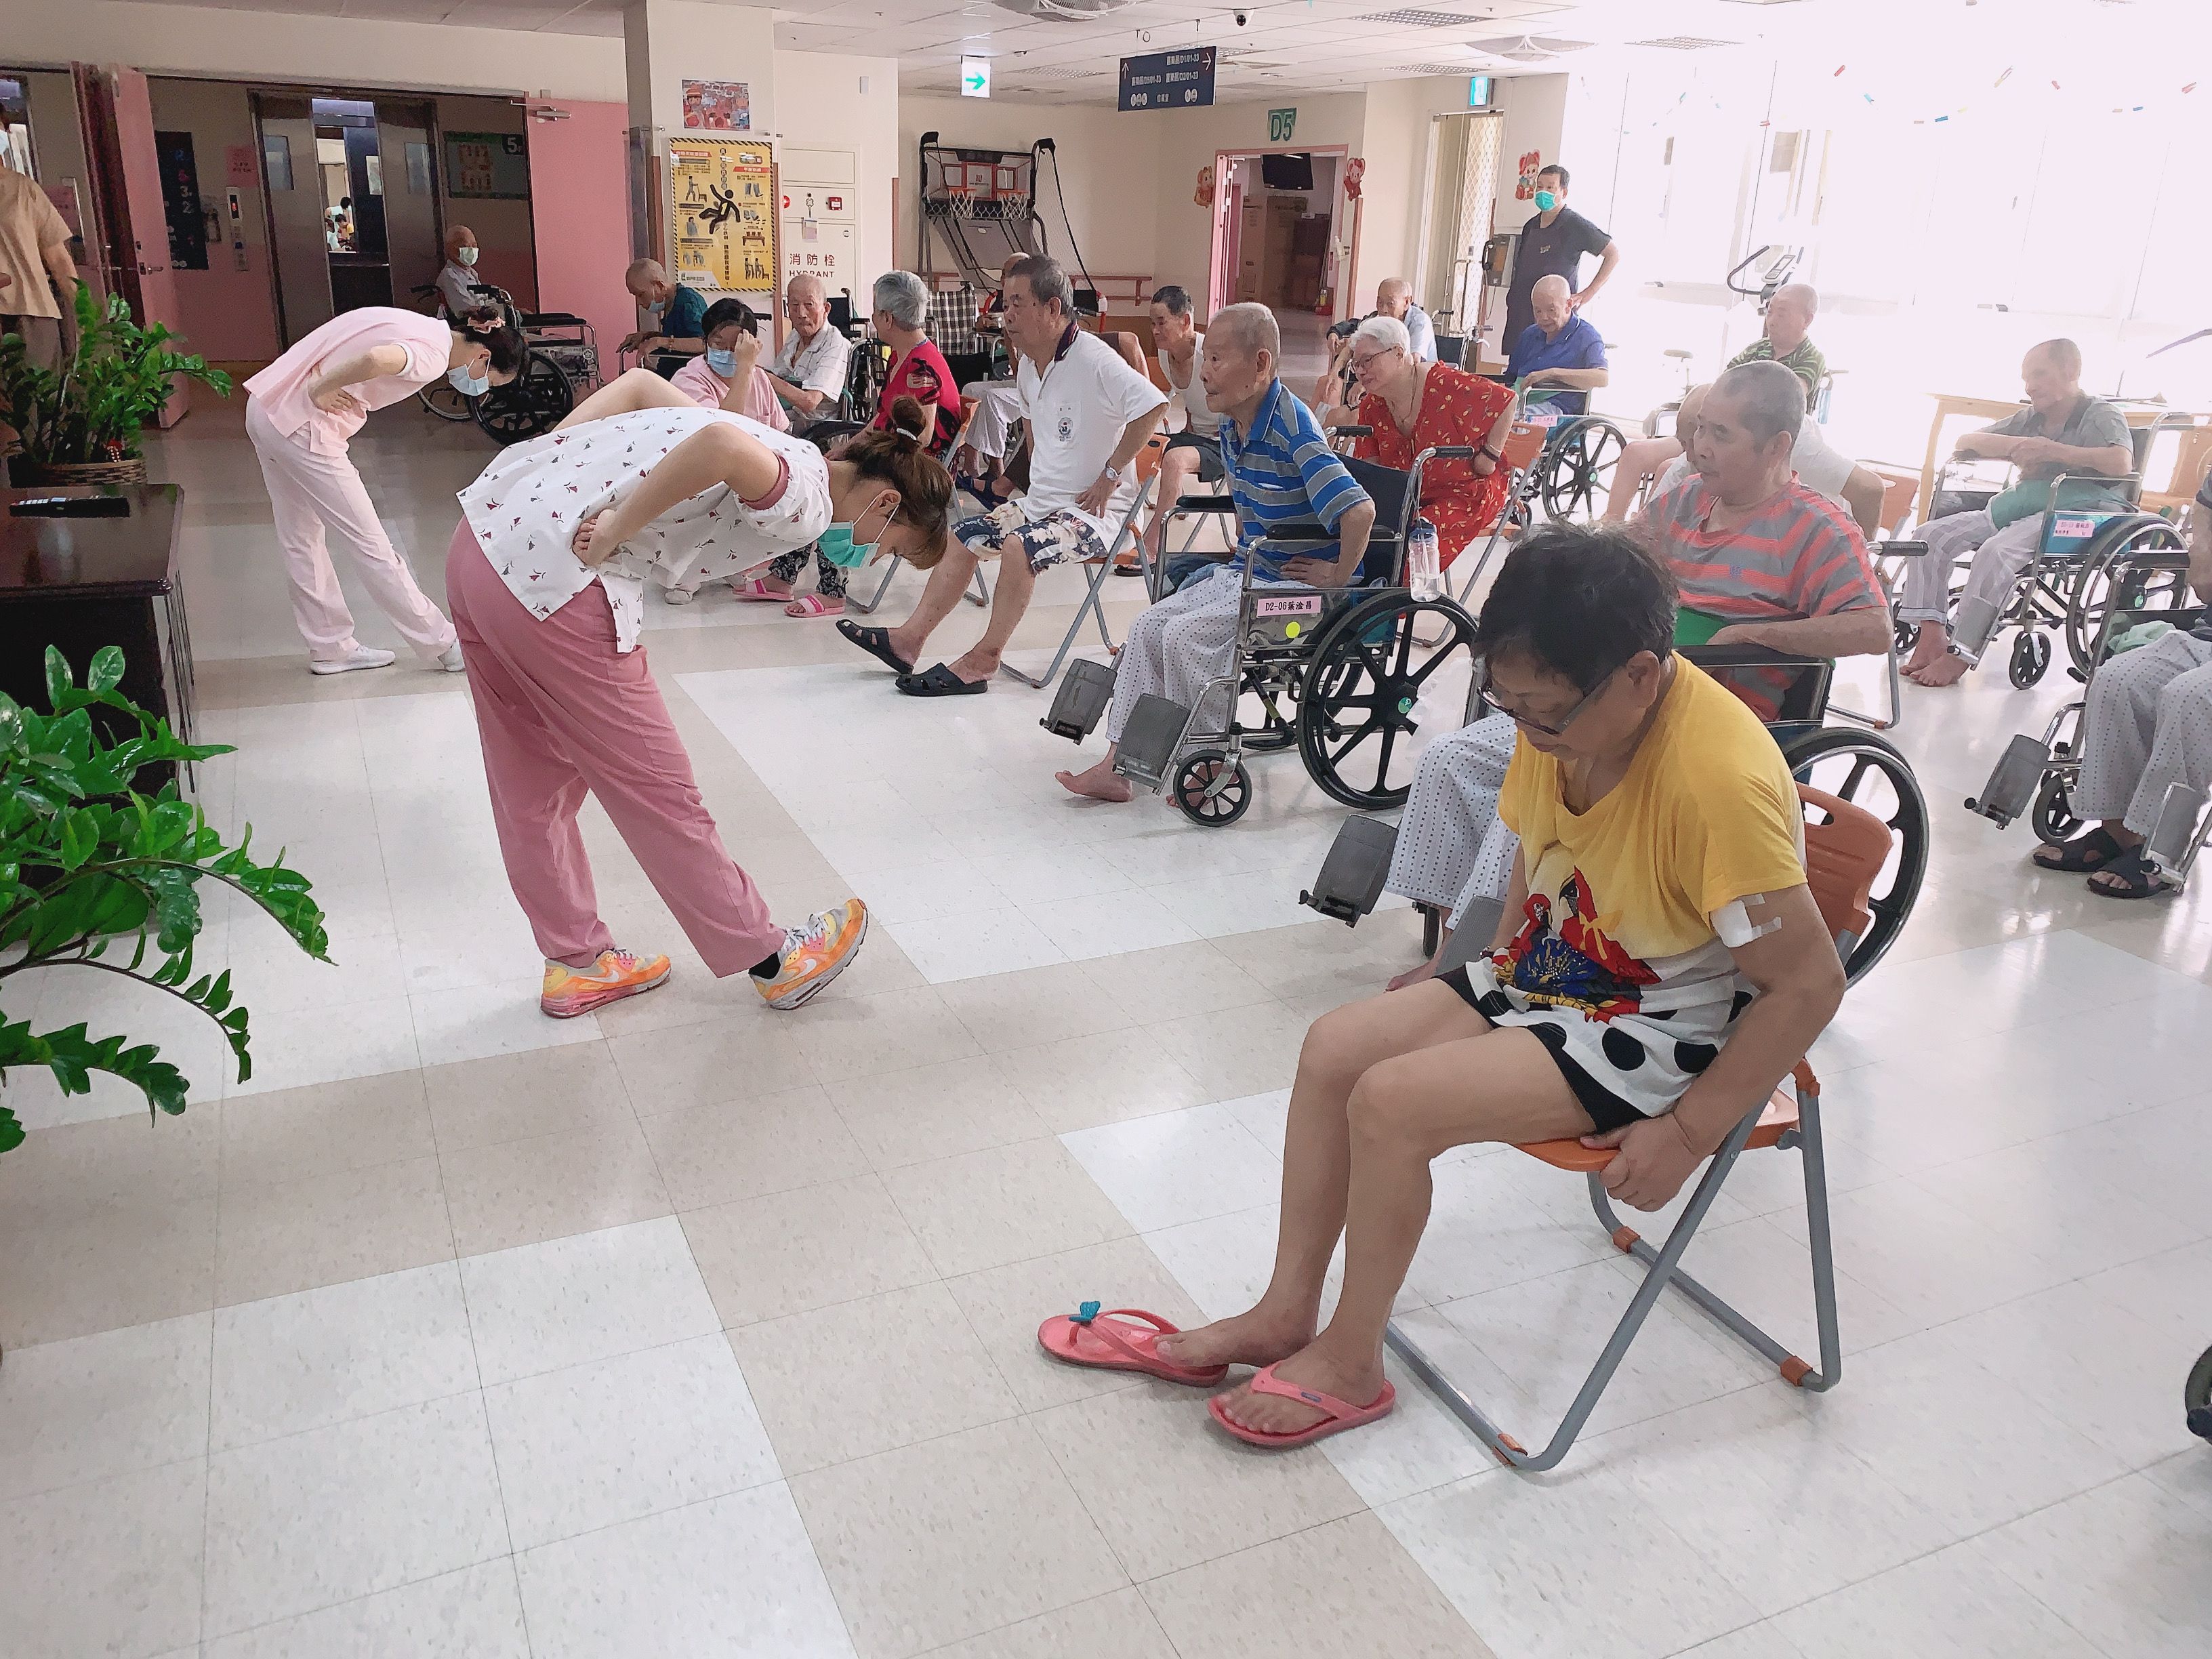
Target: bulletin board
column 722, row 192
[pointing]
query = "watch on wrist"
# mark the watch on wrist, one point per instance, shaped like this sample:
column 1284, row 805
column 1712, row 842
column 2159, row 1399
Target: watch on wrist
column 1113, row 473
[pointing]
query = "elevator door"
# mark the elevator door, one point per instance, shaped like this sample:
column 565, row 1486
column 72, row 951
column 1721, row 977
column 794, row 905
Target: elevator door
column 407, row 147
column 294, row 188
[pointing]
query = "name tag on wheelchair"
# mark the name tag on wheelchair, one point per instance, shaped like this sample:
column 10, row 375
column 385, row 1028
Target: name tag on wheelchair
column 2070, row 531
column 1282, row 619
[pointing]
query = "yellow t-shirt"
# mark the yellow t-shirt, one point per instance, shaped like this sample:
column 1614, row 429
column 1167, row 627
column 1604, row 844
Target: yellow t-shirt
column 1621, row 898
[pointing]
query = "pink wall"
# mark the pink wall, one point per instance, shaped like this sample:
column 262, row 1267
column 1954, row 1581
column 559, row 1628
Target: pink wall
column 579, row 195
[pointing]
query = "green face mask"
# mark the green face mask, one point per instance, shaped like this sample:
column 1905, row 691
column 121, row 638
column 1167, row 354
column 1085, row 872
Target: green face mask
column 836, row 544
column 1546, row 201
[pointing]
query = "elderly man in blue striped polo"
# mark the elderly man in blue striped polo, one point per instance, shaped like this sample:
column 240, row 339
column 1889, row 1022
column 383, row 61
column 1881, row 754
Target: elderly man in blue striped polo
column 1282, row 471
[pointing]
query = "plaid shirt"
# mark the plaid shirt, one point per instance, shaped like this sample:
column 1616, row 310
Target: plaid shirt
column 952, row 322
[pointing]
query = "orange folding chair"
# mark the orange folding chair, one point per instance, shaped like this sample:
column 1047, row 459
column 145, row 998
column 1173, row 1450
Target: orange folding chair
column 1844, row 848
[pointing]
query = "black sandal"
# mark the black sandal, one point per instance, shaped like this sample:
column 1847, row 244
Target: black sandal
column 941, row 682
column 877, row 642
column 2135, row 876
column 2082, row 854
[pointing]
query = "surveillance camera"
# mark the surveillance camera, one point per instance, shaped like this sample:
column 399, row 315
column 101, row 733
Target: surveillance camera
column 1240, row 19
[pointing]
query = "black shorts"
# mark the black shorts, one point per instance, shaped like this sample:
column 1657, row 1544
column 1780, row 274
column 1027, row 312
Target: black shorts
column 1607, row 1109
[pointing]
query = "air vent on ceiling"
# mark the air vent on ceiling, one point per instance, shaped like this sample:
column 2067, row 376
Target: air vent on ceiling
column 1419, row 20
column 1528, row 49
column 1062, row 74
column 1766, row 2
column 1431, row 69
column 1064, row 11
column 1685, row 43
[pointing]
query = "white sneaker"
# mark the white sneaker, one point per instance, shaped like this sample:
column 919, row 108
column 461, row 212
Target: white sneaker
column 451, row 660
column 677, row 596
column 360, row 657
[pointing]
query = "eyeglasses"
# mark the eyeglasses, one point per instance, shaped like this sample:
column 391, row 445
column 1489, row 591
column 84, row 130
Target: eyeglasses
column 1489, row 693
column 1361, row 365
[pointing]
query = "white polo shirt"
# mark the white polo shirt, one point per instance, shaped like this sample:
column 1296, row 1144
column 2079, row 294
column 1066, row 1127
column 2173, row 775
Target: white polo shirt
column 815, row 365
column 1076, row 410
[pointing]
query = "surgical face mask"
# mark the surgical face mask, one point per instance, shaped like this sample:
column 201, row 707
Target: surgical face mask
column 469, row 385
column 838, row 544
column 1546, row 201
column 724, row 363
column 466, row 256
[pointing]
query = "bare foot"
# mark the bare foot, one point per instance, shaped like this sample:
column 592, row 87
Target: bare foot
column 980, row 662
column 1930, row 647
column 1099, row 782
column 1413, row 975
column 1312, row 1367
column 1947, row 670
column 1260, row 1337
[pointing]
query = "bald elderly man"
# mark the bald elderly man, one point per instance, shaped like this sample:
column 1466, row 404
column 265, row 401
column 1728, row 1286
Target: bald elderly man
column 1559, row 357
column 1394, row 297
column 678, row 312
column 1789, row 337
column 457, row 282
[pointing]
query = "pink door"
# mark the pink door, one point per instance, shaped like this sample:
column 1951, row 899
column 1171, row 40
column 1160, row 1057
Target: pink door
column 118, row 125
column 1228, row 209
column 580, row 218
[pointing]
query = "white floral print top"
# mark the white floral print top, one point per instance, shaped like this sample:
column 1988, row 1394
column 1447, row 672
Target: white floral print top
column 526, row 505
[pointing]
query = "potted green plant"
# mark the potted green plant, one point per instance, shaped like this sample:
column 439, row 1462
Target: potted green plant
column 96, row 876
column 80, row 424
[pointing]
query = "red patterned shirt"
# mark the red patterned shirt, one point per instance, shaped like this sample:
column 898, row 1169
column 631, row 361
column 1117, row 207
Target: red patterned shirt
column 1456, row 408
column 924, row 375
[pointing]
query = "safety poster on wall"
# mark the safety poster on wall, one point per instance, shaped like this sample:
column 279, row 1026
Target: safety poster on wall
column 722, row 194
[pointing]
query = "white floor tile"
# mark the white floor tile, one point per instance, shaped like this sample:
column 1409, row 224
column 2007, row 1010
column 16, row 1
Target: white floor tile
column 1176, row 1167
column 109, row 1567
column 2123, row 1564
column 473, row 1613
column 543, row 1307
column 97, row 1405
column 735, row 1578
column 1941, row 1607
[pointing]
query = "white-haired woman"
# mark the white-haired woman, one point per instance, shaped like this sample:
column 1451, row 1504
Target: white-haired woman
column 917, row 371
column 1409, row 405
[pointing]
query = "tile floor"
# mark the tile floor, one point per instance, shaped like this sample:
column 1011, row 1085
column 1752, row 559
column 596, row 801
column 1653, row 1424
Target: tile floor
column 683, row 1330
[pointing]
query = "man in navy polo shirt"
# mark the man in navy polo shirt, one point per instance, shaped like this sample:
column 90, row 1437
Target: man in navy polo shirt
column 1559, row 356
column 1282, row 471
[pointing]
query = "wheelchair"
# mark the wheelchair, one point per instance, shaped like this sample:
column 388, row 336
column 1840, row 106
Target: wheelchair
column 2090, row 559
column 562, row 356
column 1336, row 672
column 1574, row 473
column 2036, row 776
column 1860, row 767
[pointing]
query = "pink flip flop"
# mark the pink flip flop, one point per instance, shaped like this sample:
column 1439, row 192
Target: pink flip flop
column 759, row 593
column 810, row 604
column 1111, row 1342
column 1342, row 1414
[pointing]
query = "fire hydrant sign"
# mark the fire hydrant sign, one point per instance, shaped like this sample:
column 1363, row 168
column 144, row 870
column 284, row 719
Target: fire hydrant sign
column 1168, row 79
column 721, row 193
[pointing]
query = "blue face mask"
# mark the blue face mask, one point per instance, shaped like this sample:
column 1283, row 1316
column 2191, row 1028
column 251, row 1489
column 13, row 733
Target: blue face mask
column 466, row 384
column 724, row 363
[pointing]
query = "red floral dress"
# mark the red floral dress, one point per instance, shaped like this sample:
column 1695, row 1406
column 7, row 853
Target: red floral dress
column 1456, row 408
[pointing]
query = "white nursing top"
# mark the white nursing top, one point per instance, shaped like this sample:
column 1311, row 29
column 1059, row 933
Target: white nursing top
column 1203, row 420
column 526, row 506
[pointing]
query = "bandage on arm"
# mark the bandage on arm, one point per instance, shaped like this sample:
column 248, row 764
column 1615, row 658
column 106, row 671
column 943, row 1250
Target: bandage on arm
column 1734, row 922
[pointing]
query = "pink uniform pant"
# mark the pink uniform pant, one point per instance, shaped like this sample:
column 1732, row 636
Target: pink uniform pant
column 559, row 712
column 308, row 490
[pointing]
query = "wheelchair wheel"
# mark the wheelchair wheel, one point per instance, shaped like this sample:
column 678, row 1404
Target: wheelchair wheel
column 1361, row 684
column 2031, row 657
column 2197, row 1396
column 2113, row 576
column 447, row 405
column 1578, row 469
column 533, row 402
column 1860, row 767
column 2052, row 817
column 1208, row 798
column 1907, row 634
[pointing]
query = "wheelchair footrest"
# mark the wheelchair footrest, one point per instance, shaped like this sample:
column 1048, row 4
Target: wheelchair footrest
column 2013, row 781
column 1353, row 871
column 1081, row 701
column 1150, row 738
column 2173, row 839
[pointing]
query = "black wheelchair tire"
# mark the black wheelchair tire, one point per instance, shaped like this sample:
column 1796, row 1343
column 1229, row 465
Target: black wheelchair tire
column 1218, row 811
column 1578, row 467
column 2197, row 1396
column 532, row 404
column 2031, row 658
column 2093, row 593
column 2051, row 817
column 1344, row 659
column 1897, row 888
column 440, row 398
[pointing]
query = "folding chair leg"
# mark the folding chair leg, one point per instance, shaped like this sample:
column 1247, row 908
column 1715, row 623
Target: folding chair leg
column 979, row 590
column 1093, row 605
column 853, row 601
column 1664, row 1269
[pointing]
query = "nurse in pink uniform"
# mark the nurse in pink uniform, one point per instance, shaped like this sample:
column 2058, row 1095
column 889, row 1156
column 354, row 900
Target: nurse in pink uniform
column 301, row 410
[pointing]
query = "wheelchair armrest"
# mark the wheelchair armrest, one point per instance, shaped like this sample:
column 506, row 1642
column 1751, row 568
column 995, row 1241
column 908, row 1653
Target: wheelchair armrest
column 1451, row 453
column 1351, row 432
column 1749, row 656
column 1205, row 504
column 1188, row 440
column 1898, row 550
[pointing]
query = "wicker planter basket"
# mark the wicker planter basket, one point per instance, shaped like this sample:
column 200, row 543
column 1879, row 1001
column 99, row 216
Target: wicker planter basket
column 24, row 473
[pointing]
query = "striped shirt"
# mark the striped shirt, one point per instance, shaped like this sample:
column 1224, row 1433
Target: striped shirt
column 1282, row 472
column 1805, row 361
column 1799, row 556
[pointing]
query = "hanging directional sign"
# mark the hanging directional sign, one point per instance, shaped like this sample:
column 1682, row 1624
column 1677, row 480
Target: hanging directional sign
column 1168, row 79
column 974, row 77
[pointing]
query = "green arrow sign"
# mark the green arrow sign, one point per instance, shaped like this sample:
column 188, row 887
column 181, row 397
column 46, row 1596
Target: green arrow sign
column 974, row 77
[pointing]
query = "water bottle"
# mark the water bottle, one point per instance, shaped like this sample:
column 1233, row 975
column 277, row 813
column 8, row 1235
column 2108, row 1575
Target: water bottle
column 1425, row 571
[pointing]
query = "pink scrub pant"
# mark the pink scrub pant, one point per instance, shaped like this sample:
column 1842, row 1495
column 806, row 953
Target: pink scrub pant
column 560, row 711
column 308, row 490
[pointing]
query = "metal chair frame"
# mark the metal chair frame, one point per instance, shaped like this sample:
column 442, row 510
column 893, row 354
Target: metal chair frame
column 1094, row 604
